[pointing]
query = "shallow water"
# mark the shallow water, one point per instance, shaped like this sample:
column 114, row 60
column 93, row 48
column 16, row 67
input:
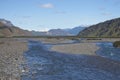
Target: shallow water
column 107, row 50
column 48, row 65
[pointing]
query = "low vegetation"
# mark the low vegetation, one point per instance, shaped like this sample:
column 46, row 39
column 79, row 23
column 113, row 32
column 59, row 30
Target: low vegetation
column 116, row 44
column 48, row 37
column 94, row 39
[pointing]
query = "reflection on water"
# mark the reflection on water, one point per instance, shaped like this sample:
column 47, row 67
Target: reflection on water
column 49, row 65
column 107, row 50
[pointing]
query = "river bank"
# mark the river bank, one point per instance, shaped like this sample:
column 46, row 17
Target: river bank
column 66, row 60
column 79, row 48
column 11, row 57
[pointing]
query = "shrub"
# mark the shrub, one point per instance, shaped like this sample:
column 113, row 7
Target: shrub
column 116, row 44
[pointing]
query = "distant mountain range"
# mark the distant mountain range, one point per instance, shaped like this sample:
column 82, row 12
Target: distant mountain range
column 75, row 30
column 60, row 32
column 7, row 29
column 110, row 28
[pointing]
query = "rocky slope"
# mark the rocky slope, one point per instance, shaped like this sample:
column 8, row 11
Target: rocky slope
column 110, row 28
column 7, row 29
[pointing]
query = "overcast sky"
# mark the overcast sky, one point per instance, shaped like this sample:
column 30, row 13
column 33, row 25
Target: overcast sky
column 46, row 14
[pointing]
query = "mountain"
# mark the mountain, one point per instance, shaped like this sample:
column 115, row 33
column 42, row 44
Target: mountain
column 75, row 30
column 38, row 33
column 7, row 29
column 51, row 32
column 6, row 22
column 66, row 32
column 59, row 32
column 110, row 28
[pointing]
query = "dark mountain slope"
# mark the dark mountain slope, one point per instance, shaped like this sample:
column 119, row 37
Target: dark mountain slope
column 110, row 28
column 7, row 29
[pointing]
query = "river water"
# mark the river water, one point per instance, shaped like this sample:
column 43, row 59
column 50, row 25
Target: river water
column 108, row 51
column 43, row 64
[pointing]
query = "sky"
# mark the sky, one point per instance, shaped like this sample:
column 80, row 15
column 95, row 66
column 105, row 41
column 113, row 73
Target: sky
column 41, row 15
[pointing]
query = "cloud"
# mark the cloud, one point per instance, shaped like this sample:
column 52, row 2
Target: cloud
column 106, row 14
column 47, row 5
column 44, row 29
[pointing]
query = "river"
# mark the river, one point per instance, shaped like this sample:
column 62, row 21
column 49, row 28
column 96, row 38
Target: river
column 107, row 50
column 43, row 64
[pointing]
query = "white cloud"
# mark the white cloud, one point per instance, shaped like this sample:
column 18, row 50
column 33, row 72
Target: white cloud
column 106, row 14
column 47, row 5
column 44, row 29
